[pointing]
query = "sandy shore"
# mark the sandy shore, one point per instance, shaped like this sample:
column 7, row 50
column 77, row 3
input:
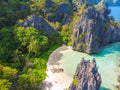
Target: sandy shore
column 56, row 77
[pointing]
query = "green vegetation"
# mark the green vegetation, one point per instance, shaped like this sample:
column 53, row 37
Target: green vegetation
column 7, row 74
column 75, row 81
column 5, row 84
column 31, row 39
column 10, row 11
column 65, row 33
column 81, row 35
column 105, row 26
column 24, row 51
column 57, row 25
column 82, row 8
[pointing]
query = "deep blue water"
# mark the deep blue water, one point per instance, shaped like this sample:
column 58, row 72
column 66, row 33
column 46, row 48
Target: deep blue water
column 115, row 12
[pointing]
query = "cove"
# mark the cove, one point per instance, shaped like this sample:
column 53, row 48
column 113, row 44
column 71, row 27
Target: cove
column 108, row 62
column 115, row 12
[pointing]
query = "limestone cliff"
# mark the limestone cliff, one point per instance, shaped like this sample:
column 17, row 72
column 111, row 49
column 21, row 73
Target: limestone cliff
column 86, row 76
column 39, row 23
column 59, row 12
column 78, row 3
column 94, row 29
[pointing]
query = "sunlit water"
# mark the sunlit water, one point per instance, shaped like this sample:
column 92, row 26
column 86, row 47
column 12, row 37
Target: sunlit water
column 108, row 61
column 115, row 12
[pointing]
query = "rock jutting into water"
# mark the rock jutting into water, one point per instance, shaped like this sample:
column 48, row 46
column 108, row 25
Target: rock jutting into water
column 94, row 29
column 86, row 76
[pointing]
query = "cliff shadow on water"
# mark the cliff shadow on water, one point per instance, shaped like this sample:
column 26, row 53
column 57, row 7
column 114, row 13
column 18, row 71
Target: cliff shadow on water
column 109, row 49
column 103, row 88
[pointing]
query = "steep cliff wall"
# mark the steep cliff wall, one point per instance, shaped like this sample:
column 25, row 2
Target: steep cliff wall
column 94, row 29
column 86, row 77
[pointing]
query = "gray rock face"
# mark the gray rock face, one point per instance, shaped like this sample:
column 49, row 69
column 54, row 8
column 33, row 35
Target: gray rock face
column 109, row 3
column 78, row 3
column 39, row 23
column 93, row 30
column 62, row 14
column 86, row 77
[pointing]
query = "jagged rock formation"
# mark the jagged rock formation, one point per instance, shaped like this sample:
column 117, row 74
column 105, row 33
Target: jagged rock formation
column 39, row 23
column 94, row 29
column 86, row 77
column 108, row 3
column 78, row 3
column 61, row 14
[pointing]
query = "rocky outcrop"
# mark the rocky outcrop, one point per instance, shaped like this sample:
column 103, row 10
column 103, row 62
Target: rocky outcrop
column 108, row 3
column 78, row 3
column 39, row 23
column 61, row 14
column 94, row 29
column 86, row 76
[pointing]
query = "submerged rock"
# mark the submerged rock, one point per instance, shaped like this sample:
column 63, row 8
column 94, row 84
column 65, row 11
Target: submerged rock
column 94, row 29
column 39, row 23
column 86, row 76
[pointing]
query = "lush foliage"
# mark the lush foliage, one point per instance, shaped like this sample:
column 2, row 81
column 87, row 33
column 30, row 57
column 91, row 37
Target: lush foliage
column 31, row 39
column 24, row 51
column 5, row 84
column 65, row 33
column 11, row 11
column 7, row 74
column 7, row 44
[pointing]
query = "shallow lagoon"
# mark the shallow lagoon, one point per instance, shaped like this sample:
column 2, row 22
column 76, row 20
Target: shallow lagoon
column 108, row 61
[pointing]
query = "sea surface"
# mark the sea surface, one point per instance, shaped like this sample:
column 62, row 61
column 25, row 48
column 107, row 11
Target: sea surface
column 108, row 63
column 115, row 12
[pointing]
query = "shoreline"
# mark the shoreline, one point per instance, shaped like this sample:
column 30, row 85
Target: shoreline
column 56, row 79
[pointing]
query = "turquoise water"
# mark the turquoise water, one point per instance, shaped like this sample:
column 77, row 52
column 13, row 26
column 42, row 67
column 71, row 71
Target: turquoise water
column 107, row 60
column 115, row 12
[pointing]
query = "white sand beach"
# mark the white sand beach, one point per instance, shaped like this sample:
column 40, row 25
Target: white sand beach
column 55, row 73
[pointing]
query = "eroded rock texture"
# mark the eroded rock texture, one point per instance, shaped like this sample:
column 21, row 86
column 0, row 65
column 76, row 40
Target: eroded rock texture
column 78, row 3
column 39, row 23
column 94, row 29
column 86, row 76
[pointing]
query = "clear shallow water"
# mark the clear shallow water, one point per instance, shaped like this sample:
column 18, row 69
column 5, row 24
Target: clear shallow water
column 107, row 60
column 115, row 12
